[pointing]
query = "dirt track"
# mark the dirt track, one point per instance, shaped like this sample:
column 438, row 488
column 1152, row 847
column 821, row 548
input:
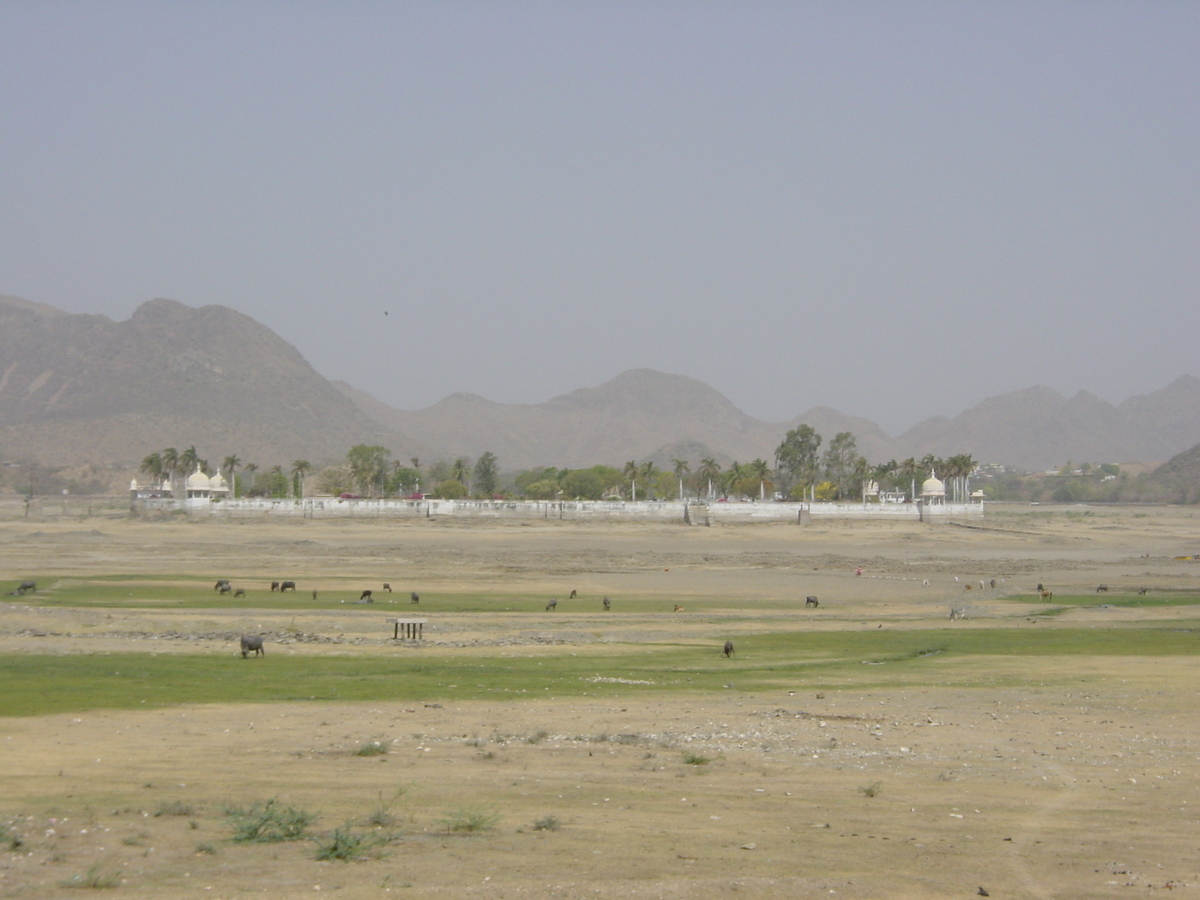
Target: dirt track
column 1082, row 783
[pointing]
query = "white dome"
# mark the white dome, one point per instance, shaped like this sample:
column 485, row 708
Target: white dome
column 217, row 481
column 198, row 481
column 933, row 486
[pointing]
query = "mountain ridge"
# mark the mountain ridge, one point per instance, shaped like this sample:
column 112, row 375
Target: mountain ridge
column 81, row 387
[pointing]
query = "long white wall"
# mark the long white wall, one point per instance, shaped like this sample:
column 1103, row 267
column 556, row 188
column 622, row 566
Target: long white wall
column 640, row 510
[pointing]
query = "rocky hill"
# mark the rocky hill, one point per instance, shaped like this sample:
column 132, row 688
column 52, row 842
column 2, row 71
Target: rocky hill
column 1039, row 428
column 83, row 388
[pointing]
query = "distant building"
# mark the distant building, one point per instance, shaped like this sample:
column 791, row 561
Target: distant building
column 933, row 491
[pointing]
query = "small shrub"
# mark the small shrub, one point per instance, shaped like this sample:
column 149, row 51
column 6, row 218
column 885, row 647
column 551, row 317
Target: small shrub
column 468, row 820
column 374, row 747
column 547, row 823
column 345, row 845
column 381, row 816
column 94, row 878
column 206, row 849
column 537, row 738
column 10, row 838
column 695, row 759
column 175, row 808
column 872, row 789
column 269, row 822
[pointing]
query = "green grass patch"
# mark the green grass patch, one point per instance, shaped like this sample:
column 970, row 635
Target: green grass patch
column 1115, row 598
column 174, row 592
column 41, row 684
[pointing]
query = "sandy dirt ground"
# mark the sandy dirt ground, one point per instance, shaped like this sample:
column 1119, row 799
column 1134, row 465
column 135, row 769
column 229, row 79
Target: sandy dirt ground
column 1052, row 777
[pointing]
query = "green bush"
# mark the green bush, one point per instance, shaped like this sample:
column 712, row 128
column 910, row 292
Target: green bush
column 269, row 822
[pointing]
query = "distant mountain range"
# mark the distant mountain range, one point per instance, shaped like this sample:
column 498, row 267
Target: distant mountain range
column 83, row 388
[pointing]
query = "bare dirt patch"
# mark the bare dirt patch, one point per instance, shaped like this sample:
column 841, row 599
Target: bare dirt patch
column 1053, row 777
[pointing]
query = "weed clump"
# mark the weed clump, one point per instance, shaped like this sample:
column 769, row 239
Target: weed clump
column 94, row 878
column 547, row 823
column 381, row 816
column 345, row 844
column 268, row 822
column 872, row 789
column 374, row 747
column 175, row 808
column 469, row 820
column 695, row 759
column 9, row 838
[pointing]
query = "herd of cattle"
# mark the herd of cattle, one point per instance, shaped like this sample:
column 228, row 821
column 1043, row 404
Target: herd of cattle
column 253, row 643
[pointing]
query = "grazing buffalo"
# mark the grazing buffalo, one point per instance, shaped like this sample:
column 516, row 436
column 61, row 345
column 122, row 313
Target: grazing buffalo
column 274, row 585
column 811, row 601
column 222, row 585
column 728, row 649
column 240, row 592
column 993, row 583
column 314, row 593
column 552, row 605
column 1102, row 589
column 366, row 597
column 27, row 587
column 287, row 586
column 252, row 643
column 572, row 597
column 225, row 588
column 387, row 587
column 415, row 597
column 607, row 603
column 1142, row 591
column 1040, row 588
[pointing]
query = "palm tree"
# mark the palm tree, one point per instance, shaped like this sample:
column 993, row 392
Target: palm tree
column 760, row 470
column 735, row 473
column 649, row 471
column 189, row 461
column 230, row 465
column 170, row 465
column 278, row 481
column 152, row 465
column 631, row 472
column 681, row 468
column 908, row 469
column 300, row 468
column 458, row 472
column 709, row 471
column 250, row 469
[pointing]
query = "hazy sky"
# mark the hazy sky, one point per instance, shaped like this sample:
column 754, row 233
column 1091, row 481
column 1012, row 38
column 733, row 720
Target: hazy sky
column 896, row 209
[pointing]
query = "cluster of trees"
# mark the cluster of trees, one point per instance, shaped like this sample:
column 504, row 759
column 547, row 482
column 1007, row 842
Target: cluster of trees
column 370, row 472
column 172, row 467
column 842, row 473
column 801, row 471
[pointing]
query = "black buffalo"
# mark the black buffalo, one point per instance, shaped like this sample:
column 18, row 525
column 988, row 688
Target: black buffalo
column 728, row 648
column 252, row 643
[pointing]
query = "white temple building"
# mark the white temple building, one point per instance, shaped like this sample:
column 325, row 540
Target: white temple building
column 933, row 491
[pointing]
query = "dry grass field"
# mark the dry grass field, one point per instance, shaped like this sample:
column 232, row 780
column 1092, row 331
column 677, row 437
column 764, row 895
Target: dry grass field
column 869, row 748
